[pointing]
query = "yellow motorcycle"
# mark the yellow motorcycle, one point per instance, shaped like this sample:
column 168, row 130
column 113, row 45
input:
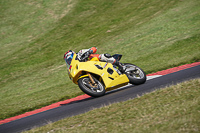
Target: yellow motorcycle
column 95, row 77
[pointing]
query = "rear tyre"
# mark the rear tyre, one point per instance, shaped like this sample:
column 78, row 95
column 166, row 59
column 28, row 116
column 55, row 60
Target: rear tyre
column 97, row 90
column 136, row 76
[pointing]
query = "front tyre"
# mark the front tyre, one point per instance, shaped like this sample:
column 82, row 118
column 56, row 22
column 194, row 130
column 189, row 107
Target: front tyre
column 97, row 90
column 136, row 76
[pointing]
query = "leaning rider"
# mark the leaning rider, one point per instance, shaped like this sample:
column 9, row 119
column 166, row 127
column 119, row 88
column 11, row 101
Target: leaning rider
column 84, row 54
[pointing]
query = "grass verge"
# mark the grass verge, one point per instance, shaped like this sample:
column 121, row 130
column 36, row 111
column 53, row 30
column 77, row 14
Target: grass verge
column 34, row 35
column 172, row 109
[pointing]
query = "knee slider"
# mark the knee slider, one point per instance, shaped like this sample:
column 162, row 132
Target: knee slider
column 107, row 55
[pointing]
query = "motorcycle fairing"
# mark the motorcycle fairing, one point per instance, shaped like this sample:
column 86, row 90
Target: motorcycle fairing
column 111, row 80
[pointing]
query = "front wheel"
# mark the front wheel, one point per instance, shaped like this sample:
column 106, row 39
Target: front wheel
column 136, row 76
column 94, row 90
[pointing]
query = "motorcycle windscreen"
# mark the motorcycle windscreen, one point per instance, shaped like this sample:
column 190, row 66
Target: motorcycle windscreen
column 68, row 60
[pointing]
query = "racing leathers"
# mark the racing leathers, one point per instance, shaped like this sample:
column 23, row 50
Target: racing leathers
column 84, row 54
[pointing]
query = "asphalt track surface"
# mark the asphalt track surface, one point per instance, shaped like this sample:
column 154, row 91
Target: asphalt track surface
column 85, row 105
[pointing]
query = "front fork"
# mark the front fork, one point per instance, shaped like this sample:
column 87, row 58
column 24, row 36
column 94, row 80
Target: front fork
column 91, row 79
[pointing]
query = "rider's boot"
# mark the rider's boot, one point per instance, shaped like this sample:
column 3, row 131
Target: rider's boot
column 121, row 67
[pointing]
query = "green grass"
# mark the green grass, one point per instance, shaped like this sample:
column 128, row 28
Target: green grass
column 35, row 34
column 174, row 109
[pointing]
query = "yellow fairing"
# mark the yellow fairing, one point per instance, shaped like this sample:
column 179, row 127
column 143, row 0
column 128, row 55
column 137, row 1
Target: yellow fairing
column 111, row 80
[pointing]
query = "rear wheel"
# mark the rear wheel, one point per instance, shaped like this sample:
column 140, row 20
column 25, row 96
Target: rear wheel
column 94, row 90
column 135, row 76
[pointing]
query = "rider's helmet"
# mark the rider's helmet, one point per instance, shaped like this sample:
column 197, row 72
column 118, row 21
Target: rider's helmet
column 68, row 56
